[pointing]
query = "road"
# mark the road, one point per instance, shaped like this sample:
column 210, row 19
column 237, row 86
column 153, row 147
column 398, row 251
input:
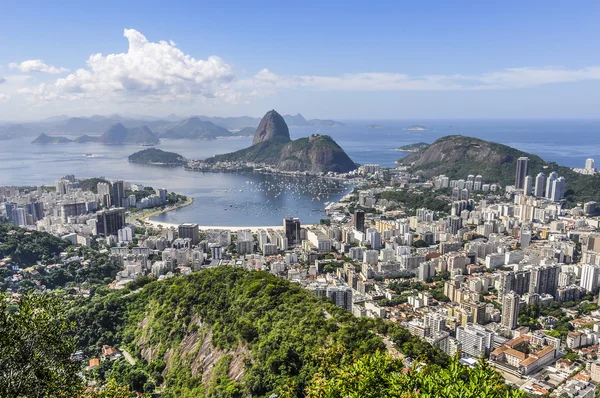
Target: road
column 391, row 349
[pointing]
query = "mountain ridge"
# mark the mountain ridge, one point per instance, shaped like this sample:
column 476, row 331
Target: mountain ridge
column 457, row 156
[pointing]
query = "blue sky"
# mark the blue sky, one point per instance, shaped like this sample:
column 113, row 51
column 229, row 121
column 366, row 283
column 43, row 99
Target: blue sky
column 401, row 59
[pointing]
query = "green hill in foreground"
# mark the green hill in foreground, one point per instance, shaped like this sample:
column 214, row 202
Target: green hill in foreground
column 228, row 332
column 457, row 156
column 157, row 157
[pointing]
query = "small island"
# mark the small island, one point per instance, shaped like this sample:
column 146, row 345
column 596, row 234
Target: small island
column 415, row 127
column 414, row 148
column 47, row 139
column 157, row 157
column 374, row 126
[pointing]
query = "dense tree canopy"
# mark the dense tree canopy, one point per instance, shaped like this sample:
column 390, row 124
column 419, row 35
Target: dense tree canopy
column 35, row 349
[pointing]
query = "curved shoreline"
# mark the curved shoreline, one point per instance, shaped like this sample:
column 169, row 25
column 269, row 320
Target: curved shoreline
column 145, row 216
column 228, row 228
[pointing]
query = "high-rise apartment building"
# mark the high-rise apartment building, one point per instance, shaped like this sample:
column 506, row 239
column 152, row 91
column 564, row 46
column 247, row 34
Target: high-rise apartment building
column 544, row 279
column 359, row 220
column 589, row 277
column 118, row 193
column 540, row 181
column 550, row 184
column 522, row 169
column 190, row 231
column 558, row 189
column 589, row 165
column 341, row 296
column 292, row 227
column 510, row 310
column 528, row 186
column 475, row 340
column 109, row 222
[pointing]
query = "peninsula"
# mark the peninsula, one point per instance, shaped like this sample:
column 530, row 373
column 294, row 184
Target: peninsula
column 416, row 147
column 456, row 156
column 273, row 146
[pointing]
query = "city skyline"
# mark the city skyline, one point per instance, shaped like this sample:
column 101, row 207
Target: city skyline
column 216, row 61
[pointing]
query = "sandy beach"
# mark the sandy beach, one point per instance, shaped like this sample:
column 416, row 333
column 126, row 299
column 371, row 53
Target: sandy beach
column 232, row 229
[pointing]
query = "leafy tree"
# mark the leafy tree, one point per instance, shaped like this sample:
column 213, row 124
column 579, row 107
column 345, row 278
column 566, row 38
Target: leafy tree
column 35, row 349
column 380, row 375
column 112, row 389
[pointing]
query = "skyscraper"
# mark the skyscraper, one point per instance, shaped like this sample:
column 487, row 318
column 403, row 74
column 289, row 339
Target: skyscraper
column 190, row 231
column 544, row 279
column 475, row 340
column 359, row 220
column 374, row 237
column 522, row 169
column 292, row 227
column 341, row 296
column 558, row 189
column 118, row 193
column 510, row 310
column 589, row 165
column 589, row 276
column 550, row 183
column 109, row 222
column 540, row 180
column 528, row 187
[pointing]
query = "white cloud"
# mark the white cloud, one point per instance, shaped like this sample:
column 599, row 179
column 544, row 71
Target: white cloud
column 147, row 72
column 511, row 78
column 36, row 65
column 4, row 97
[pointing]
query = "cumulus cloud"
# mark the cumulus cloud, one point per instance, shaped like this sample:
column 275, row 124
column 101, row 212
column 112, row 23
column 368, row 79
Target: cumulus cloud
column 511, row 78
column 36, row 65
column 4, row 97
column 147, row 71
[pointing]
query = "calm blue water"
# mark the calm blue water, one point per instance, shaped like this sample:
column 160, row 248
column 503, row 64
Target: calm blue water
column 567, row 142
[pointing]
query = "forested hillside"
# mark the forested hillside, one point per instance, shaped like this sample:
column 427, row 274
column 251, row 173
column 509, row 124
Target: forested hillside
column 236, row 333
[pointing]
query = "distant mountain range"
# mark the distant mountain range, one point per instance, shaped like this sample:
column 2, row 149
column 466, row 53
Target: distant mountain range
column 115, row 134
column 172, row 126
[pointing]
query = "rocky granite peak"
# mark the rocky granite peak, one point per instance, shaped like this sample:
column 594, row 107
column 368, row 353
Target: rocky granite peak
column 271, row 126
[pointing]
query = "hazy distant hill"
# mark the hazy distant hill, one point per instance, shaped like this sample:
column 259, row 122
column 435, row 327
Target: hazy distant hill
column 79, row 125
column 296, row 120
column 245, row 132
column 98, row 124
column 46, row 139
column 119, row 134
column 84, row 139
column 10, row 131
column 194, row 128
column 325, row 123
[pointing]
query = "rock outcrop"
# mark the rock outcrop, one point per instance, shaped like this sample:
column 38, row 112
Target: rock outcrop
column 271, row 126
